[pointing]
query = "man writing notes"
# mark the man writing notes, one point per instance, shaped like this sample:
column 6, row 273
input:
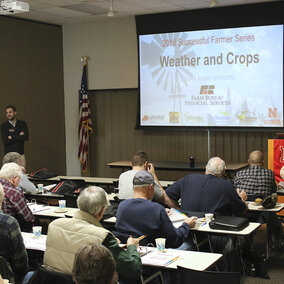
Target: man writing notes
column 139, row 216
column 66, row 235
column 14, row 132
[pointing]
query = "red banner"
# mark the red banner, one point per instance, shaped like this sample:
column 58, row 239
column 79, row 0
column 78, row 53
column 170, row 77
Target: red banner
column 276, row 158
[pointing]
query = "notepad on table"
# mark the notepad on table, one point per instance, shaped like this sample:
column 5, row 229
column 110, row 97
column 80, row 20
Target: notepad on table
column 177, row 217
column 155, row 258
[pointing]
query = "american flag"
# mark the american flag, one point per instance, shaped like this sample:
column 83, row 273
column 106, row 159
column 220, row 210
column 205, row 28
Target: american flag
column 85, row 124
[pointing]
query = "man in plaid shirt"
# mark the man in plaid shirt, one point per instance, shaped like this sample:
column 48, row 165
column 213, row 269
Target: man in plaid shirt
column 12, row 247
column 256, row 180
column 14, row 202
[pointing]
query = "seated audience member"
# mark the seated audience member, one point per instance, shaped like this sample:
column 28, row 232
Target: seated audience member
column 210, row 193
column 66, row 235
column 139, row 216
column 14, row 202
column 24, row 184
column 94, row 264
column 207, row 193
column 12, row 246
column 139, row 161
column 258, row 181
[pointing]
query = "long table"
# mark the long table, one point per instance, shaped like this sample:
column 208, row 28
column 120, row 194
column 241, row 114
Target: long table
column 206, row 229
column 253, row 207
column 88, row 180
column 189, row 259
column 50, row 195
column 100, row 181
column 52, row 212
column 259, row 208
column 178, row 166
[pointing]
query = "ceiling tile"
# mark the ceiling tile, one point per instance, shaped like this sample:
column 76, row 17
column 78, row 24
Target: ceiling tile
column 87, row 8
column 63, row 12
column 69, row 11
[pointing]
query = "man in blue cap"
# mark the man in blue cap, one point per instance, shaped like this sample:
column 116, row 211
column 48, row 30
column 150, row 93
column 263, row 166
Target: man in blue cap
column 139, row 216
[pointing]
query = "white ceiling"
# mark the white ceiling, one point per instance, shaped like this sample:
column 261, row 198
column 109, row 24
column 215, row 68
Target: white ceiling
column 77, row 11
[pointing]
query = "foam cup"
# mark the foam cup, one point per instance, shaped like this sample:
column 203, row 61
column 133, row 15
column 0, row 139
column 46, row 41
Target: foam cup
column 160, row 244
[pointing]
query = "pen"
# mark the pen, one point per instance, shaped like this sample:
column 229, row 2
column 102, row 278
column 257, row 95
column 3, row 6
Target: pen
column 203, row 224
column 141, row 237
column 171, row 261
column 144, row 253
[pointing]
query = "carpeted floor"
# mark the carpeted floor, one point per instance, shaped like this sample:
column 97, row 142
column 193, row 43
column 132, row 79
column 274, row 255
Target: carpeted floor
column 275, row 263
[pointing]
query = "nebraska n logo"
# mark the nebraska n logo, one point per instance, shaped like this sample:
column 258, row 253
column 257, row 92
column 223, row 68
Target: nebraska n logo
column 281, row 154
column 272, row 112
column 207, row 89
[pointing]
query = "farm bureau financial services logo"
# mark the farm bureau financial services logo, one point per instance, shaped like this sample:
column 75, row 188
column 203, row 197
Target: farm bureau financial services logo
column 208, row 97
column 207, row 89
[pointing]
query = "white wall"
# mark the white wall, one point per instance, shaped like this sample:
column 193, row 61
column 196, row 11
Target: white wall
column 111, row 45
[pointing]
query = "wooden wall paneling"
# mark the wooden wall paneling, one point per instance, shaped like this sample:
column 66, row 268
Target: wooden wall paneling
column 106, row 140
column 129, row 142
column 115, row 138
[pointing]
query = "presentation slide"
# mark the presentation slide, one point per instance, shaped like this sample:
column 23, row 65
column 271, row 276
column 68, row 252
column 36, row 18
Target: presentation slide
column 214, row 78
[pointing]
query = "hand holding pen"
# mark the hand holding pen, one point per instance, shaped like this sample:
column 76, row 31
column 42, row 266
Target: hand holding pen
column 191, row 221
column 132, row 241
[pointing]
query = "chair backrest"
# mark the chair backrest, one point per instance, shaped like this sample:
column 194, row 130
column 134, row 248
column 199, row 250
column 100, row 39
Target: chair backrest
column 6, row 270
column 204, row 277
column 44, row 276
column 71, row 201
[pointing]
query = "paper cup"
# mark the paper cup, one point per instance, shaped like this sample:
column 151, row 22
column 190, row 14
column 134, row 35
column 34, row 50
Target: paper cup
column 40, row 187
column 209, row 217
column 160, row 244
column 62, row 204
column 37, row 231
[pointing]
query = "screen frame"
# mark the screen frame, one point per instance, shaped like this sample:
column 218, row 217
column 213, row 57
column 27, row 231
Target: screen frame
column 267, row 14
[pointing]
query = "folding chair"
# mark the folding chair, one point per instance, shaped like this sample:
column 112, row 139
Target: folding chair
column 44, row 276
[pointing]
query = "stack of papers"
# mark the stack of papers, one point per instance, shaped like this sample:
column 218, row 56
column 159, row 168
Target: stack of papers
column 36, row 244
column 38, row 208
column 155, row 258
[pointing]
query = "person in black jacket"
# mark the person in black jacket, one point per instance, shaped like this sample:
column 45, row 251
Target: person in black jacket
column 14, row 132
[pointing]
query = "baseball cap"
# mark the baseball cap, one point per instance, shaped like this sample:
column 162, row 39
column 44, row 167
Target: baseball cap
column 143, row 177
